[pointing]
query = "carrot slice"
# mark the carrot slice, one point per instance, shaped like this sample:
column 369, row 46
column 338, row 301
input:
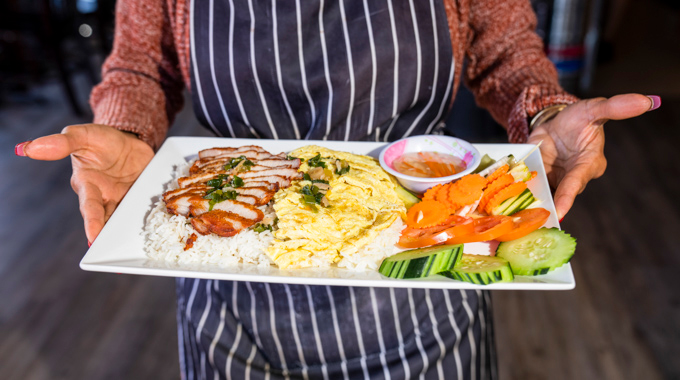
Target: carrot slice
column 466, row 190
column 494, row 187
column 442, row 194
column 431, row 192
column 497, row 174
column 505, row 193
column 427, row 214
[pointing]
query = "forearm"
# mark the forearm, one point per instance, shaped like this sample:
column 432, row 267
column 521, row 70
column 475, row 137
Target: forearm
column 141, row 87
column 508, row 71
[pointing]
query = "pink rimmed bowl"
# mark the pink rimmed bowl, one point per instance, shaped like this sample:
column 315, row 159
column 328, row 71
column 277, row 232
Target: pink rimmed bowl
column 429, row 143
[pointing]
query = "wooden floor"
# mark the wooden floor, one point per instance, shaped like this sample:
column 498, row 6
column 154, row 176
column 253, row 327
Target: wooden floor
column 621, row 322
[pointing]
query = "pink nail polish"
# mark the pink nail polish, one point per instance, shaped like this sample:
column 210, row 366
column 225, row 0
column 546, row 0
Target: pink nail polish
column 656, row 102
column 19, row 149
column 89, row 244
column 561, row 219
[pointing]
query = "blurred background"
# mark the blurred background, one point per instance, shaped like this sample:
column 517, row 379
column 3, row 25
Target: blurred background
column 621, row 322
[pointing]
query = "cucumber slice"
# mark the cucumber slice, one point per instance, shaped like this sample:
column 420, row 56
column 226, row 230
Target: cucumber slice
column 520, row 172
column 484, row 163
column 407, row 197
column 515, row 204
column 539, row 252
column 422, row 262
column 481, row 270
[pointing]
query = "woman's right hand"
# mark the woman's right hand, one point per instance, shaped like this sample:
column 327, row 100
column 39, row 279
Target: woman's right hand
column 106, row 162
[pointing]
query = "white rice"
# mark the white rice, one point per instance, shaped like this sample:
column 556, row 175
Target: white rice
column 166, row 236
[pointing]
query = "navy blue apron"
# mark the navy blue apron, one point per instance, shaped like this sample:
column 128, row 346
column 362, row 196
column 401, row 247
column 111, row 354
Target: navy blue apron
column 352, row 70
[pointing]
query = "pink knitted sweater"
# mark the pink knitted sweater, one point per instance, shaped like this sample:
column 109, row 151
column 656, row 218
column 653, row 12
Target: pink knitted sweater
column 143, row 78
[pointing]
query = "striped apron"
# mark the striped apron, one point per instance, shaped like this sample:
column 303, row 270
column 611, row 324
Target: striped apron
column 348, row 70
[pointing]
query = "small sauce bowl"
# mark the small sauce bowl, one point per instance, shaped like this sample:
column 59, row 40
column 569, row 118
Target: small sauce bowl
column 429, row 143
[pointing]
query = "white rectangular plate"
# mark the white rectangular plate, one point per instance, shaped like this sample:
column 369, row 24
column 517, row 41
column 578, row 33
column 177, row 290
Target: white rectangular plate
column 119, row 248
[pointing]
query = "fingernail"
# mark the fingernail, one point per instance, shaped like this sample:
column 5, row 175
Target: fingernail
column 561, row 219
column 89, row 244
column 656, row 102
column 19, row 149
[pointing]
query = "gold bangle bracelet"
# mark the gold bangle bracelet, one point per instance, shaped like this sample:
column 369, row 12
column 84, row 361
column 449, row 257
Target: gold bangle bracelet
column 546, row 114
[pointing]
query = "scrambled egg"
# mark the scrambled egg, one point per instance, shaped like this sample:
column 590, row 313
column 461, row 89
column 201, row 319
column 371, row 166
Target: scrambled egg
column 362, row 202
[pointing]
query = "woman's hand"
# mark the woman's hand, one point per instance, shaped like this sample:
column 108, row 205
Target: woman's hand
column 573, row 142
column 106, row 162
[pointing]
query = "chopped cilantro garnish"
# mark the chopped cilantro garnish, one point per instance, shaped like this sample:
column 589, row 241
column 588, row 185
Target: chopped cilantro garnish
column 316, row 162
column 233, row 162
column 236, row 182
column 259, row 228
column 218, row 196
column 216, row 183
column 306, row 177
column 311, row 194
column 342, row 171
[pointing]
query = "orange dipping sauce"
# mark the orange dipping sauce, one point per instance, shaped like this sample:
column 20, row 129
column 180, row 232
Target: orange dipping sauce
column 428, row 164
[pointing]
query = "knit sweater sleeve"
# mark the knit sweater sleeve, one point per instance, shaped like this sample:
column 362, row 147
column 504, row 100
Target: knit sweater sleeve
column 508, row 71
column 141, row 88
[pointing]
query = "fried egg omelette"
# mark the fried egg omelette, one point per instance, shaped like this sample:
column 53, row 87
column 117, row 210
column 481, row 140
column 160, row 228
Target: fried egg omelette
column 360, row 203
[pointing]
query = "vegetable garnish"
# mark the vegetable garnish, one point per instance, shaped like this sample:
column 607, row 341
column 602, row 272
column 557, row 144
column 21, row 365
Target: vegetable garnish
column 525, row 222
column 497, row 174
column 466, row 190
column 259, row 227
column 427, row 214
column 306, row 177
column 494, row 187
column 218, row 196
column 245, row 163
column 503, row 194
column 422, row 237
column 341, row 167
column 236, row 182
column 484, row 229
column 316, row 162
column 312, row 195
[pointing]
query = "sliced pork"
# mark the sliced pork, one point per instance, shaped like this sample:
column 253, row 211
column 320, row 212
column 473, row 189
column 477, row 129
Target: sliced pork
column 220, row 223
column 260, row 182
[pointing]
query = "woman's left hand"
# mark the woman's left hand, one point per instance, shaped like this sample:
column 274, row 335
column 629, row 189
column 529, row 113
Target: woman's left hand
column 573, row 142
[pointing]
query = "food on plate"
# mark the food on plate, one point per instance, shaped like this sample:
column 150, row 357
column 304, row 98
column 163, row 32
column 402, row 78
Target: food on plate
column 313, row 207
column 480, row 270
column 539, row 252
column 423, row 262
column 340, row 207
column 428, row 164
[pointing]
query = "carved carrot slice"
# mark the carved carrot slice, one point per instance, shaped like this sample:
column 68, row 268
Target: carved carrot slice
column 497, row 174
column 466, row 190
column 494, row 187
column 507, row 192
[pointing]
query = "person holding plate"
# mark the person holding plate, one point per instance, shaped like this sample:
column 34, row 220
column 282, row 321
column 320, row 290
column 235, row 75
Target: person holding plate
column 375, row 70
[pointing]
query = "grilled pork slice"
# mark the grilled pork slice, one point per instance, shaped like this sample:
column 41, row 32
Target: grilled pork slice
column 184, row 190
column 241, row 209
column 220, row 223
column 218, row 164
column 249, row 154
column 212, row 152
column 197, row 179
column 281, row 172
column 282, row 182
